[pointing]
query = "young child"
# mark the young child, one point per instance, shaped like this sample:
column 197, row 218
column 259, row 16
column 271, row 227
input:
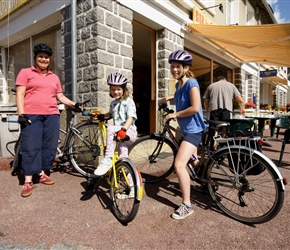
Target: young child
column 189, row 116
column 123, row 112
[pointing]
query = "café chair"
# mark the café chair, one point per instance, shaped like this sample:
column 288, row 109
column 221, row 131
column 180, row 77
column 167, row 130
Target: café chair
column 241, row 124
column 285, row 140
column 284, row 123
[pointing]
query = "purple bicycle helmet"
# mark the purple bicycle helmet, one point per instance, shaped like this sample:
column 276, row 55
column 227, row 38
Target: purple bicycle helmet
column 117, row 79
column 42, row 47
column 180, row 56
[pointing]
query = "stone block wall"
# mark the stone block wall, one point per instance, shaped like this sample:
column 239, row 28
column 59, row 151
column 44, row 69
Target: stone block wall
column 240, row 78
column 167, row 42
column 104, row 45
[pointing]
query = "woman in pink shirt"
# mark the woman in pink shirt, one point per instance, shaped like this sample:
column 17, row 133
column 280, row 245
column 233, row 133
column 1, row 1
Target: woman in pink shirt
column 37, row 92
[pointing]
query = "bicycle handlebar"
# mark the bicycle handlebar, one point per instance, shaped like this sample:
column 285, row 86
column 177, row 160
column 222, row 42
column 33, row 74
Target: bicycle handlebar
column 85, row 102
column 77, row 110
column 164, row 107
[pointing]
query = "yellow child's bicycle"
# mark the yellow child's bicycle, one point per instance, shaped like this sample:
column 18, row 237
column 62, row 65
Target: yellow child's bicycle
column 124, row 178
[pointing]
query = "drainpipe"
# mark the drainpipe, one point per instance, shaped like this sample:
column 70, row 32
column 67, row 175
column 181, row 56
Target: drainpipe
column 74, row 49
column 4, row 82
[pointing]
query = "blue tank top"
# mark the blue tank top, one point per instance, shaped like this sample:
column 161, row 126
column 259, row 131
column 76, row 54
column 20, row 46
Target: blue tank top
column 190, row 124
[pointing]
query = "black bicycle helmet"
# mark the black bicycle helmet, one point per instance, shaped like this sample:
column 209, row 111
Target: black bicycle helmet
column 180, row 56
column 117, row 79
column 42, row 47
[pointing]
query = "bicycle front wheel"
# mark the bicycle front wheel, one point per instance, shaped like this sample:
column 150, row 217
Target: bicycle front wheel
column 154, row 157
column 85, row 147
column 123, row 193
column 244, row 196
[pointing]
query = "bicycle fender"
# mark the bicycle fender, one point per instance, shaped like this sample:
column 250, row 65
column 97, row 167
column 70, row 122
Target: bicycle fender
column 273, row 165
column 138, row 177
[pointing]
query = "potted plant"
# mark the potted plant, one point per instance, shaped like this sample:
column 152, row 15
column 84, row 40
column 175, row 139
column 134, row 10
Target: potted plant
column 250, row 104
column 262, row 106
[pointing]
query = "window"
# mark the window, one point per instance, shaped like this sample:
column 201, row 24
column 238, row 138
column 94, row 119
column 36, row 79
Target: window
column 206, row 71
column 250, row 18
column 228, row 11
column 232, row 12
column 20, row 56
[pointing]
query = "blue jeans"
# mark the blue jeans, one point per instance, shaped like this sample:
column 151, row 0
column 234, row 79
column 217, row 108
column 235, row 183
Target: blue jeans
column 39, row 143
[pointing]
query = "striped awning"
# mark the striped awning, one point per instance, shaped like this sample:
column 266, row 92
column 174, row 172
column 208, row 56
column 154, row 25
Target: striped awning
column 266, row 44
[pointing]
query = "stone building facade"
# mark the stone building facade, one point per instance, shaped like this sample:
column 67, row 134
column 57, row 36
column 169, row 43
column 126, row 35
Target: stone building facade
column 104, row 45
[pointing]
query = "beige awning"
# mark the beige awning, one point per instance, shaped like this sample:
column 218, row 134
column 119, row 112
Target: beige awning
column 266, row 44
column 274, row 80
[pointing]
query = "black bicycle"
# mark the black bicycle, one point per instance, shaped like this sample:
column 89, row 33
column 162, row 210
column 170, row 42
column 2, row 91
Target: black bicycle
column 80, row 145
column 243, row 182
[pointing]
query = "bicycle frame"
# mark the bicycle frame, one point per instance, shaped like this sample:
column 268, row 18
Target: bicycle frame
column 115, row 160
column 170, row 129
column 73, row 130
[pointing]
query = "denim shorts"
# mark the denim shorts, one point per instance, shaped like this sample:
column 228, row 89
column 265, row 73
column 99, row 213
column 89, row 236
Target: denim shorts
column 194, row 139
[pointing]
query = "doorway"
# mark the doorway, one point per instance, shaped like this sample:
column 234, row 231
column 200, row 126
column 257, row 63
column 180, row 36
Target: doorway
column 144, row 77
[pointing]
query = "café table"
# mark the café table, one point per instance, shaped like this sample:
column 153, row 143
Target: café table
column 261, row 118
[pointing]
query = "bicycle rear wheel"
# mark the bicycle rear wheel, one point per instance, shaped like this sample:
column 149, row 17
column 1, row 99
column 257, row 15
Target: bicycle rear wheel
column 247, row 198
column 153, row 157
column 85, row 147
column 124, row 197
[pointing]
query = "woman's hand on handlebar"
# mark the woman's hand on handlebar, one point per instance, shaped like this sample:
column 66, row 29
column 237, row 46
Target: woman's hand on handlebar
column 78, row 107
column 170, row 116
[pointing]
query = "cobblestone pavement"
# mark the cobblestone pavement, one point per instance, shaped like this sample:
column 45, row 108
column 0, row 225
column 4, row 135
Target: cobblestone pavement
column 66, row 216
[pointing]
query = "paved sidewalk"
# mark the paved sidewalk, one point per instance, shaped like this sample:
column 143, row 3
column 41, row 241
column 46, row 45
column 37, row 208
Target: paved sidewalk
column 66, row 216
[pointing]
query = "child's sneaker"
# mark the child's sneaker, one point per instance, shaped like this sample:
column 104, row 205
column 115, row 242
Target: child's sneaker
column 103, row 168
column 182, row 212
column 46, row 180
column 27, row 189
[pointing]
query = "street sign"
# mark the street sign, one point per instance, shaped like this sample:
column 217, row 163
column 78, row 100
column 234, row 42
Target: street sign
column 267, row 73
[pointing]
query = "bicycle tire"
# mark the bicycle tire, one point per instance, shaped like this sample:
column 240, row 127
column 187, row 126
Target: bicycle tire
column 154, row 158
column 16, row 163
column 85, row 148
column 125, row 205
column 10, row 147
column 251, row 199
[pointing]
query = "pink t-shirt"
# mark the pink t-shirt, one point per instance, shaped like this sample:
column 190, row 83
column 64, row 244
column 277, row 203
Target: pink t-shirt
column 41, row 90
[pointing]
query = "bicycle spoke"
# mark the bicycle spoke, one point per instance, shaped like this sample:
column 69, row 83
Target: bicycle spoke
column 85, row 149
column 123, row 193
column 154, row 160
column 247, row 198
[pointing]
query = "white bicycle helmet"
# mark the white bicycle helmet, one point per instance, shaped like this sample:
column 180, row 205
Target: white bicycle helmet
column 117, row 79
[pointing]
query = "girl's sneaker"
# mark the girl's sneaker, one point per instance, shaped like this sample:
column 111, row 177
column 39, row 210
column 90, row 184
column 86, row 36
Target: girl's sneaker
column 182, row 212
column 27, row 189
